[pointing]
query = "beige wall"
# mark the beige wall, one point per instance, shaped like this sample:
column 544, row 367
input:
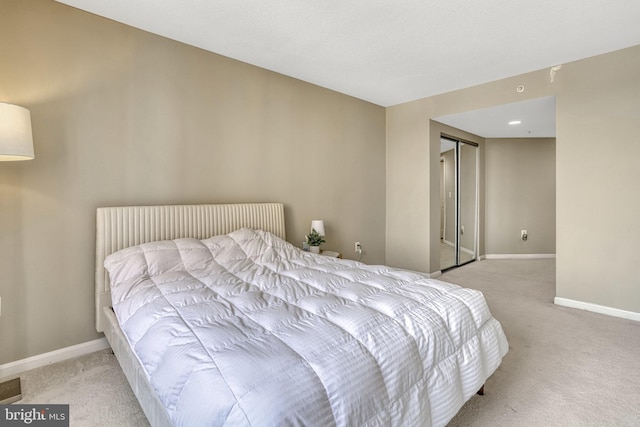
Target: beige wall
column 121, row 117
column 520, row 189
column 598, row 201
column 413, row 186
column 596, row 196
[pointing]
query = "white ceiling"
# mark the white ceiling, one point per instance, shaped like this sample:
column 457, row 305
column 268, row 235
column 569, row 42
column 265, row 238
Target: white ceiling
column 537, row 119
column 388, row 52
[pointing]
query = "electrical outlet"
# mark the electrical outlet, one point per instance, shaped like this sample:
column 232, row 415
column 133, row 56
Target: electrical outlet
column 358, row 248
column 524, row 235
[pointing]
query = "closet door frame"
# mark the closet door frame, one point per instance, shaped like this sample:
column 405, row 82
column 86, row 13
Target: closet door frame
column 457, row 174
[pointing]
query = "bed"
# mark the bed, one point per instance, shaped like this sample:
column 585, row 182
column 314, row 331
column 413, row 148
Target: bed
column 216, row 320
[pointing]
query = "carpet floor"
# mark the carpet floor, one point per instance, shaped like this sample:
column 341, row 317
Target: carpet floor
column 565, row 367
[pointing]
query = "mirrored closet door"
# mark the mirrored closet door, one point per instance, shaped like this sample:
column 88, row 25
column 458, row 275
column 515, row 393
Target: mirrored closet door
column 459, row 202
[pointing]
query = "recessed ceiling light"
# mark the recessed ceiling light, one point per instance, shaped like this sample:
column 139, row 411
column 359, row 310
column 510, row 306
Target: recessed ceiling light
column 515, row 122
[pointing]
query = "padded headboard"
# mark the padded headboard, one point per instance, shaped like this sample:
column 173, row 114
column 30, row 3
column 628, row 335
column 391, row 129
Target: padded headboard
column 120, row 227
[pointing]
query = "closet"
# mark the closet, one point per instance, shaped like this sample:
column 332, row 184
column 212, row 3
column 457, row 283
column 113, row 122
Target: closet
column 459, row 202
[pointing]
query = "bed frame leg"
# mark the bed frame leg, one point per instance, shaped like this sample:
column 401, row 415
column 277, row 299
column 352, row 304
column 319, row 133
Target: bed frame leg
column 481, row 391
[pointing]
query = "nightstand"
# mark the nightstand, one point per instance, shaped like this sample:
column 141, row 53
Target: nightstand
column 331, row 254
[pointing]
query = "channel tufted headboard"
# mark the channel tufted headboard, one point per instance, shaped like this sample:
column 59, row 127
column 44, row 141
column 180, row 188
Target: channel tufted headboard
column 121, row 227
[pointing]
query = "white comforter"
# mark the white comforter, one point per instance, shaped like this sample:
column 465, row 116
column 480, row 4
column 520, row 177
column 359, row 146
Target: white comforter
column 246, row 329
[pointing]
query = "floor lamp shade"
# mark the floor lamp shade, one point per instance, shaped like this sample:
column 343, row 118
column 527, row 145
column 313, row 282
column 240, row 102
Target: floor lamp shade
column 16, row 140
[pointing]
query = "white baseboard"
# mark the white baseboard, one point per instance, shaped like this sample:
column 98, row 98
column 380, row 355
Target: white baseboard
column 519, row 256
column 19, row 366
column 435, row 274
column 609, row 311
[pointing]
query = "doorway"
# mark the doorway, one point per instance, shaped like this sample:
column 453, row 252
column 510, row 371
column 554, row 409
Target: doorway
column 459, row 202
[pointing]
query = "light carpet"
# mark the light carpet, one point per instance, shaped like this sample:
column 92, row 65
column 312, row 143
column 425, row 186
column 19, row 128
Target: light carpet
column 565, row 367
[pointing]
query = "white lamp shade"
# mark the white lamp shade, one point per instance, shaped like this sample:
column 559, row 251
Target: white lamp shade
column 16, row 140
column 318, row 225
